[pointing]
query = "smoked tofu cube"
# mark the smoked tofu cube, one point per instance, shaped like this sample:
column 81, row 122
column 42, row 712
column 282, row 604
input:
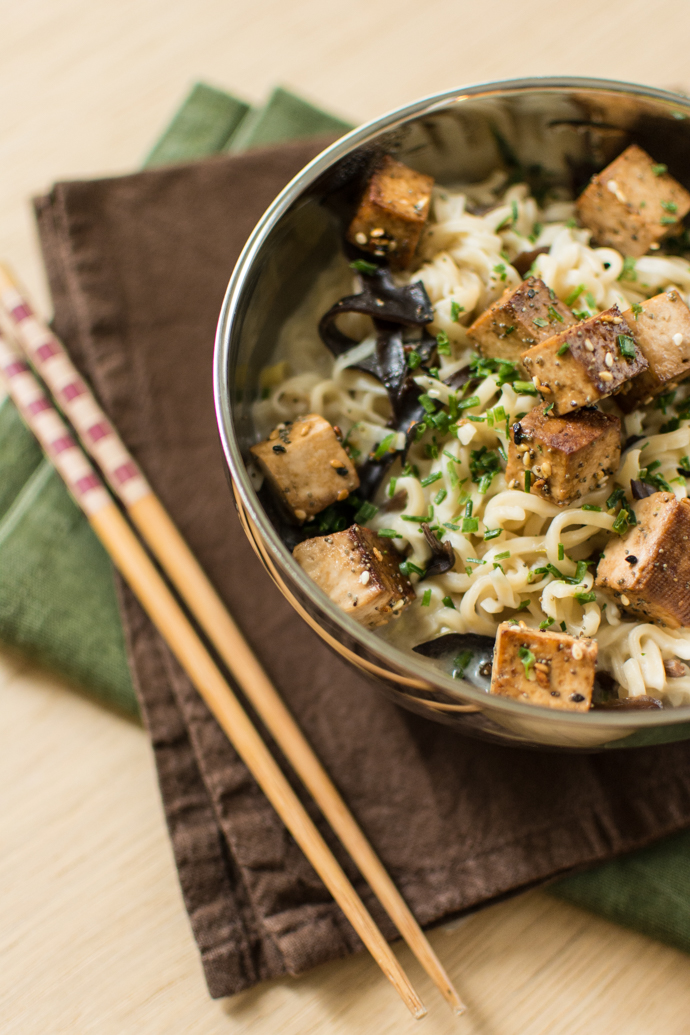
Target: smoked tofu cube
column 521, row 317
column 567, row 456
column 633, row 203
column 360, row 572
column 585, row 362
column 661, row 327
column 392, row 213
column 648, row 569
column 306, row 466
column 547, row 668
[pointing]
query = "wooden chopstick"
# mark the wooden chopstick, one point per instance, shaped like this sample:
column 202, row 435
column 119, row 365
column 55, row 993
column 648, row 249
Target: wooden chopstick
column 49, row 357
column 158, row 601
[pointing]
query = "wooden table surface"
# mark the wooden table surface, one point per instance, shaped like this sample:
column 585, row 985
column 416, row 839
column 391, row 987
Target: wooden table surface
column 93, row 934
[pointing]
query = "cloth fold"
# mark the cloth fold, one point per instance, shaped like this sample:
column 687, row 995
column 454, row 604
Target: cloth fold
column 138, row 266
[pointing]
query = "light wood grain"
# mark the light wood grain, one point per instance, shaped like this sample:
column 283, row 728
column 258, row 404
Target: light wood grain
column 93, row 937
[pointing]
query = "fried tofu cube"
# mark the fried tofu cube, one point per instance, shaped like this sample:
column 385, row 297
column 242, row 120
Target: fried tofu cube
column 585, row 362
column 360, row 572
column 392, row 213
column 661, row 327
column 633, row 203
column 521, row 317
column 306, row 466
column 552, row 669
column 567, row 456
column 648, row 569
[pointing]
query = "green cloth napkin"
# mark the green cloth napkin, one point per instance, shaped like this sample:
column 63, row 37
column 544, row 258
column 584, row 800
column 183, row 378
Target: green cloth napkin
column 58, row 604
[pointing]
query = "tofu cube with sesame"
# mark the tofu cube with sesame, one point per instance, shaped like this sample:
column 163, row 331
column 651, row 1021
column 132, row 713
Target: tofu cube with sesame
column 633, row 203
column 360, row 572
column 306, row 466
column 648, row 569
column 521, row 317
column 392, row 213
column 567, row 456
column 551, row 669
column 585, row 362
column 661, row 327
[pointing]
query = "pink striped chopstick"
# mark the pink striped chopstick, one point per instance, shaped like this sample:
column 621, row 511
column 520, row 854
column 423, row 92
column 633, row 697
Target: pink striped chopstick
column 132, row 560
column 101, row 440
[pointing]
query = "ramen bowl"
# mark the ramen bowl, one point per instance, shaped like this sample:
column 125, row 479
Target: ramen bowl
column 562, row 128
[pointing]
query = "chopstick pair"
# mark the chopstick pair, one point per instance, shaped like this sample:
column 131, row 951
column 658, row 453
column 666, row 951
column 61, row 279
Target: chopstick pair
column 48, row 356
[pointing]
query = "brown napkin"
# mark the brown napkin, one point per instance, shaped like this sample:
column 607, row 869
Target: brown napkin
column 138, row 266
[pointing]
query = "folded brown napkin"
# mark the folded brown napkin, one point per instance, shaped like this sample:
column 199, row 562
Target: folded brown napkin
column 138, row 266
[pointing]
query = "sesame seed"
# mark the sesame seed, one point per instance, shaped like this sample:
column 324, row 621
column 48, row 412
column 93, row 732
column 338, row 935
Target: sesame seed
column 625, row 601
column 588, row 345
column 361, row 238
column 300, row 515
column 608, row 359
column 677, row 339
column 605, row 376
column 364, row 577
column 577, row 651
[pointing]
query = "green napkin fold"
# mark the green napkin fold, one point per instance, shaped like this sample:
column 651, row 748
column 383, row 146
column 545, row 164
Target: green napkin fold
column 58, row 604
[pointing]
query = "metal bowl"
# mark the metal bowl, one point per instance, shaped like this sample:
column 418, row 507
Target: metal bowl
column 565, row 127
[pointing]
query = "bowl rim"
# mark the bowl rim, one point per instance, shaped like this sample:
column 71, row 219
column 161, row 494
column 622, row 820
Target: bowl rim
column 382, row 649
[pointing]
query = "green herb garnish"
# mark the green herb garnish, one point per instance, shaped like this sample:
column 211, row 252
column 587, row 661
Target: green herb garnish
column 431, row 478
column 585, row 598
column 461, row 662
column 587, row 506
column 554, row 314
column 628, row 272
column 500, row 270
column 440, row 496
column 659, row 169
column 616, row 497
column 524, row 387
column 384, row 446
column 362, row 266
column 561, row 552
column 455, row 310
column 492, row 533
column 527, row 658
column 426, row 599
column 546, row 623
column 565, row 347
column 637, row 309
column 365, row 513
column 413, row 360
column 574, row 295
column 539, row 321
column 388, row 533
column 669, row 206
column 447, row 602
column 627, row 345
column 443, row 343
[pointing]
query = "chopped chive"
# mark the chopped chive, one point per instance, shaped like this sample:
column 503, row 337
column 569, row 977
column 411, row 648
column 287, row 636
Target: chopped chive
column 492, row 533
column 667, row 220
column 524, row 388
column 391, row 487
column 621, row 524
column 527, row 658
column 502, row 556
column 447, row 602
column 474, row 560
column 659, row 169
column 407, row 566
column 431, row 478
column 388, row 533
column 384, row 446
column 590, row 300
column 461, row 662
column 440, row 496
column 574, row 295
column 528, row 480
column 466, row 404
column 547, row 409
column 443, row 343
column 426, row 599
column 414, row 517
column 585, row 598
column 523, row 605
column 554, row 314
column 362, row 266
column 499, row 566
column 637, row 309
column 561, row 552
column 546, row 623
column 627, row 345
column 470, row 524
column 453, row 528
column 616, row 496
column 455, row 310
column 469, row 507
column 540, row 322
column 476, row 419
column 628, row 272
column 365, row 513
column 564, row 348
column 500, row 271
column 413, row 360
column 585, row 506
column 669, row 206
column 564, row 626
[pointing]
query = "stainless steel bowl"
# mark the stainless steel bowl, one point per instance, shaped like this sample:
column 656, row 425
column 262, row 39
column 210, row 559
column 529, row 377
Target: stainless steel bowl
column 568, row 127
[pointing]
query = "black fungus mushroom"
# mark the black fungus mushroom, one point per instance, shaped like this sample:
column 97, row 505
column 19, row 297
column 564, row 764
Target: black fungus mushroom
column 641, row 489
column 466, row 656
column 442, row 554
